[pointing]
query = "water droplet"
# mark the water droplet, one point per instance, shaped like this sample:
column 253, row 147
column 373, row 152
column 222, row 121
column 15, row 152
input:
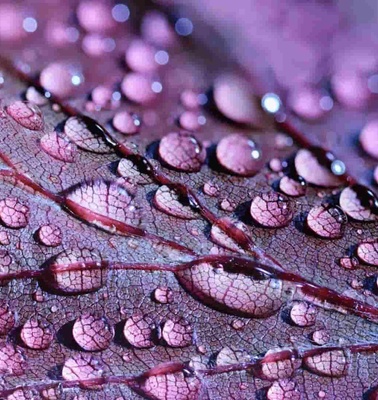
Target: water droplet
column 184, row 26
column 219, row 237
column 237, row 324
column 359, row 202
column 293, row 185
column 282, row 368
column 303, row 314
column 7, row 266
column 52, row 393
column 315, row 166
column 82, row 367
column 189, row 120
column 34, row 96
column 157, row 29
column 92, row 333
column 126, row 123
column 102, row 97
column 7, row 318
column 120, row 12
column 228, row 356
column 87, row 134
column 349, row 262
column 138, row 88
column 4, row 238
column 284, row 389
column 95, row 16
column 11, row 28
column 50, row 235
column 177, row 332
column 320, row 337
column 127, row 169
column 161, row 57
column 232, row 291
column 332, row 363
column 12, row 361
column 182, row 151
column 211, row 189
column 275, row 165
column 75, row 272
column 272, row 210
column 140, row 57
column 327, row 221
column 305, row 102
column 234, row 99
column 14, row 213
column 367, row 252
column 227, row 205
column 36, row 334
column 163, row 295
column 26, row 114
column 239, row 155
column 189, row 99
column 139, row 331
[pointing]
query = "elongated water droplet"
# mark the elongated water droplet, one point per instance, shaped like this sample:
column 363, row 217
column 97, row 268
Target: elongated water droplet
column 177, row 332
column 326, row 221
column 92, row 333
column 284, row 389
column 7, row 318
column 219, row 237
column 36, row 334
column 12, row 361
column 239, row 155
column 26, row 114
column 139, row 330
column 303, row 314
column 293, row 185
column 333, row 363
column 182, row 151
column 367, row 252
column 14, row 213
column 56, row 145
column 272, row 210
column 82, row 367
column 228, row 356
column 50, row 235
column 359, row 202
column 128, row 169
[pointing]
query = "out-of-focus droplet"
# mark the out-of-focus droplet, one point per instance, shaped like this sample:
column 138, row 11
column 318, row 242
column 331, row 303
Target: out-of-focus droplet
column 126, row 123
column 369, row 138
column 138, row 88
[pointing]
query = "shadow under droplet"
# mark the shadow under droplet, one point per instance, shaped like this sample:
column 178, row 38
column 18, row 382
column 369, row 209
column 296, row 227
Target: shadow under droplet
column 65, row 337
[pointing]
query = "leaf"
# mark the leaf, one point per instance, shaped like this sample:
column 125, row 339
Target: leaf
column 160, row 265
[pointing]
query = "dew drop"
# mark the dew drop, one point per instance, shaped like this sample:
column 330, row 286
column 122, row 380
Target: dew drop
column 359, row 202
column 177, row 332
column 367, row 252
column 320, row 337
column 234, row 99
column 315, row 166
column 275, row 165
column 50, row 235
column 303, row 314
column 284, row 389
column 34, row 96
column 87, row 134
column 272, row 210
column 4, row 238
column 239, row 155
column 102, row 96
column 349, row 262
column 182, row 151
column 82, row 367
column 237, row 324
column 26, row 114
column 157, row 29
column 57, row 79
column 126, row 123
column 228, row 356
column 7, row 318
column 139, row 330
column 305, row 102
column 52, row 393
column 332, row 363
column 189, row 99
column 189, row 120
column 36, row 334
column 56, row 145
column 227, row 204
column 7, row 266
column 128, row 169
column 14, row 213
column 283, row 368
column 24, row 394
column 12, row 361
column 92, row 333
column 293, row 185
column 327, row 221
column 140, row 57
column 138, row 88
column 211, row 189
column 95, row 16
column 218, row 236
column 163, row 295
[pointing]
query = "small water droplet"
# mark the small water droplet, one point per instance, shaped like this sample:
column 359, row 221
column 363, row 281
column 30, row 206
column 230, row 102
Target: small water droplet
column 163, row 295
column 34, row 96
column 189, row 120
column 36, row 334
column 219, row 237
column 177, row 332
column 7, row 318
column 139, row 331
column 293, row 185
column 284, row 389
column 92, row 333
column 7, row 266
column 275, row 165
column 4, row 238
column 359, row 202
column 82, row 367
column 182, row 151
column 369, row 138
column 14, row 213
column 211, row 189
column 138, row 88
column 332, row 363
column 272, row 210
column 278, row 369
column 349, row 262
column 303, row 314
column 237, row 324
column 367, row 251
column 50, row 235
column 320, row 337
column 228, row 356
column 26, row 114
column 327, row 221
column 126, row 123
column 239, row 155
column 227, row 205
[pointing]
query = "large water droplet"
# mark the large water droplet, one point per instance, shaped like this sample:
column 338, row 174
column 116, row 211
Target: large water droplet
column 12, row 361
column 239, row 155
column 92, row 333
column 14, row 213
column 56, row 145
column 228, row 356
column 228, row 289
column 7, row 318
column 293, row 185
column 272, row 210
column 138, row 88
column 315, row 166
column 177, row 332
column 163, row 295
column 284, row 389
column 36, row 334
column 303, row 314
column 359, row 202
column 126, row 123
column 170, row 202
column 87, row 134
column 333, row 363
column 281, row 368
column 182, row 151
column 50, row 235
column 327, row 221
column 235, row 100
column 139, row 330
column 75, row 271
column 26, row 114
column 367, row 252
column 369, row 138
column 82, row 367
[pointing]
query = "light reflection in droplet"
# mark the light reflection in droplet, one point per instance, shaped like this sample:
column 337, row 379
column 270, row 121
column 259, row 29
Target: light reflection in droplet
column 162, row 57
column 30, row 24
column 326, row 103
column 201, row 120
column 184, row 26
column 373, row 83
column 156, row 87
column 255, row 154
column 72, row 34
column 76, row 80
column 116, row 96
column 271, row 103
column 202, row 99
column 338, row 167
column 120, row 12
